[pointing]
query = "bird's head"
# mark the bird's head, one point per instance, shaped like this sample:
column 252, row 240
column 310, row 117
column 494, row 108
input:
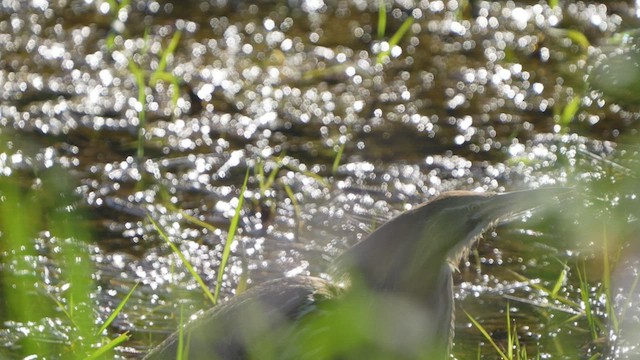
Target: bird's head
column 418, row 242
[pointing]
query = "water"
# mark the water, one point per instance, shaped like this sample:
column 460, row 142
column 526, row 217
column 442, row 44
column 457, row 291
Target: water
column 470, row 98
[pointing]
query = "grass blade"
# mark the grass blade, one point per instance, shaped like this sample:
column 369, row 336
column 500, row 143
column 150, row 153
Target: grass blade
column 487, row 336
column 395, row 39
column 171, row 49
column 510, row 334
column 560, row 282
column 139, row 75
column 184, row 260
column 584, row 294
column 336, row 161
column 180, row 351
column 569, row 113
column 103, row 350
column 606, row 281
column 116, row 311
column 382, row 18
column 231, row 234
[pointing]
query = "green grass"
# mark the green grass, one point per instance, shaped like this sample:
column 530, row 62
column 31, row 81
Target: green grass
column 395, row 39
column 568, row 113
column 266, row 183
column 20, row 226
column 382, row 30
column 296, row 206
column 116, row 311
column 590, row 319
column 115, row 7
column 337, row 159
column 185, row 261
column 606, row 282
column 25, row 214
column 233, row 227
column 183, row 348
column 142, row 113
column 513, row 348
column 145, row 81
column 487, row 336
column 382, row 18
column 28, row 210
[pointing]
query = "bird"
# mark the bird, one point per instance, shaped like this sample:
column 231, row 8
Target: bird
column 392, row 297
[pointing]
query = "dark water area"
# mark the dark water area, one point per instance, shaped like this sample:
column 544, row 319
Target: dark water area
column 115, row 113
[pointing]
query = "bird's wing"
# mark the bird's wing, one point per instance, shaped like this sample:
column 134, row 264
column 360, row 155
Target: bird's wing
column 248, row 321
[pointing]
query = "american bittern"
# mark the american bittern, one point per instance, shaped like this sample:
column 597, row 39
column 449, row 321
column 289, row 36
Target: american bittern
column 399, row 304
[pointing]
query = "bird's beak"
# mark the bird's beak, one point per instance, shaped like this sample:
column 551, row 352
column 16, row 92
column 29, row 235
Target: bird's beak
column 504, row 205
column 495, row 208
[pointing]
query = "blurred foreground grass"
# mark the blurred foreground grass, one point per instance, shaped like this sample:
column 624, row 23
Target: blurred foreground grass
column 39, row 301
column 593, row 303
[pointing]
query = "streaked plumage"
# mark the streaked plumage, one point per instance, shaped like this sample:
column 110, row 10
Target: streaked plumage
column 399, row 304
